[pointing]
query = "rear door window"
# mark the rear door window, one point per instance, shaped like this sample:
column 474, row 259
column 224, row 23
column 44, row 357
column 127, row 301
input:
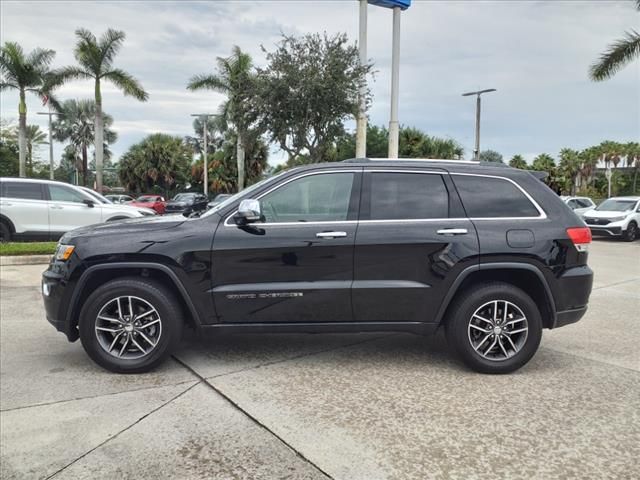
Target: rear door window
column 492, row 197
column 408, row 196
column 22, row 190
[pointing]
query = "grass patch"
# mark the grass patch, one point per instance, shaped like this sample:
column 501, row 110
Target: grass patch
column 28, row 248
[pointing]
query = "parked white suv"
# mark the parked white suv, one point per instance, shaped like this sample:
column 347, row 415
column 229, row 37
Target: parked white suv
column 33, row 209
column 617, row 216
column 579, row 205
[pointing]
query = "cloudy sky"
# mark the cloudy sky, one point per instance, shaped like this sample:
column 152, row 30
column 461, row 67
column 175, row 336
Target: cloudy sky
column 535, row 53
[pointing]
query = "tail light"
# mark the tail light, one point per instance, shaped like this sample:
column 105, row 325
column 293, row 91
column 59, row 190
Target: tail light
column 581, row 237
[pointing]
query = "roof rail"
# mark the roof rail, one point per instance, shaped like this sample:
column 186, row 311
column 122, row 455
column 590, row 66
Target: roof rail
column 439, row 160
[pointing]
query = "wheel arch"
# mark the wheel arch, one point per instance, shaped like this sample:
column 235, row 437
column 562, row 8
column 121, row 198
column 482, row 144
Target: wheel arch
column 97, row 275
column 6, row 220
column 527, row 277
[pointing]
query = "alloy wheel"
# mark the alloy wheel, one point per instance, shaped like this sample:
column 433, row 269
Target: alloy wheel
column 128, row 327
column 498, row 330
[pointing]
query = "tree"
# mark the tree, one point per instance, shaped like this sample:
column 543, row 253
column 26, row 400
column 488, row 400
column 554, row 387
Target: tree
column 76, row 125
column 26, row 73
column 307, row 90
column 9, row 151
column 545, row 163
column 517, row 161
column 236, row 80
column 159, row 162
column 413, row 144
column 214, row 140
column 569, row 170
column 95, row 58
column 617, row 55
column 34, row 138
column 491, row 156
column 633, row 161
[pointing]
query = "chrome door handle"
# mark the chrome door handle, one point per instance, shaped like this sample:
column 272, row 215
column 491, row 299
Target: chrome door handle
column 56, row 207
column 452, row 231
column 331, row 234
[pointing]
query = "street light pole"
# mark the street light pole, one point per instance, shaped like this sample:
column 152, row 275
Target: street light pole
column 476, row 151
column 394, row 127
column 205, row 122
column 50, row 114
column 361, row 123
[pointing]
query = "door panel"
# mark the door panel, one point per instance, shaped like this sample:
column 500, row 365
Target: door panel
column 66, row 210
column 404, row 266
column 297, row 266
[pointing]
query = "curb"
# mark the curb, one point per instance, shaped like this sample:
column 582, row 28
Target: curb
column 6, row 260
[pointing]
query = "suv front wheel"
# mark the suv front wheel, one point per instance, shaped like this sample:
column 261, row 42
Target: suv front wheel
column 130, row 325
column 494, row 328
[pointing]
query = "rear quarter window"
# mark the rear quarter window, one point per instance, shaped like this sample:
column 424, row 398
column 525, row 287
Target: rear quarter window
column 492, row 197
column 22, row 190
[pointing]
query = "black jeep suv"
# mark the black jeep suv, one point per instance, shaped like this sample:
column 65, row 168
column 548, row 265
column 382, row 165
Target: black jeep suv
column 489, row 253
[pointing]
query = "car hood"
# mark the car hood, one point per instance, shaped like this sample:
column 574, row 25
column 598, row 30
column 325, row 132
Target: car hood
column 131, row 225
column 605, row 213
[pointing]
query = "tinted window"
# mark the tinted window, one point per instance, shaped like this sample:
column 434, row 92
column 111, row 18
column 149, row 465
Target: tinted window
column 486, row 197
column 314, row 198
column 24, row 190
column 59, row 193
column 583, row 203
column 398, row 196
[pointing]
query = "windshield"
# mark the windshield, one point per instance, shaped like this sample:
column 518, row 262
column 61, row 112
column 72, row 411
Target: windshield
column 236, row 196
column 94, row 194
column 184, row 197
column 146, row 199
column 613, row 205
column 221, row 197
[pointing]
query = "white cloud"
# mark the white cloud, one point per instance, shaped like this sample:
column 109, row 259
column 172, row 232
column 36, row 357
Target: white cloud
column 535, row 53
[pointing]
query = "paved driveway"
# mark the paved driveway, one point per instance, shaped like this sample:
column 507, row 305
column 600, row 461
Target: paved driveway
column 327, row 406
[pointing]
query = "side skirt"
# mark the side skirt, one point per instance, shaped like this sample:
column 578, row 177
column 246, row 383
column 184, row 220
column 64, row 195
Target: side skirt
column 328, row 327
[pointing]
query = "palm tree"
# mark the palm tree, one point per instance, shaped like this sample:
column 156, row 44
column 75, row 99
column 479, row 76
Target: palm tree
column 76, row 124
column 26, row 73
column 34, row 138
column 95, row 58
column 235, row 79
column 618, row 54
column 518, row 161
column 569, row 169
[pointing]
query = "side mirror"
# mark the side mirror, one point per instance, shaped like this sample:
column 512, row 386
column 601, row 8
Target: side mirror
column 248, row 212
column 88, row 203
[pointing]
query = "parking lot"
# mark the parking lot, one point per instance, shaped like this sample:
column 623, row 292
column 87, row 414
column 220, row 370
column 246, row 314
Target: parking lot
column 327, row 406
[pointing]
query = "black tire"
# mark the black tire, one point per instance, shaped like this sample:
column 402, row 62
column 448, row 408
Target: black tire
column 152, row 292
column 5, row 232
column 631, row 233
column 462, row 311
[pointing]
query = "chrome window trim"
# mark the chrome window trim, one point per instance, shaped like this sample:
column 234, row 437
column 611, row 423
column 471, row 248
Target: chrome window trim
column 542, row 214
column 318, row 172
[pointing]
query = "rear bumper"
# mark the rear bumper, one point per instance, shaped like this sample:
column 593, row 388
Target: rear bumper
column 568, row 317
column 572, row 295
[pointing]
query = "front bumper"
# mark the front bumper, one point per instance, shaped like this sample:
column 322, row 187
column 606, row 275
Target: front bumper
column 55, row 296
column 605, row 231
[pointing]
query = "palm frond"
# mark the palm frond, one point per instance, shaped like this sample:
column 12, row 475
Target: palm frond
column 110, row 43
column 616, row 57
column 208, row 82
column 127, row 83
column 40, row 58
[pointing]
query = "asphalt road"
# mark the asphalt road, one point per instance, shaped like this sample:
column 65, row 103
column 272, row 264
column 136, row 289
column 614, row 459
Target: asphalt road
column 327, row 406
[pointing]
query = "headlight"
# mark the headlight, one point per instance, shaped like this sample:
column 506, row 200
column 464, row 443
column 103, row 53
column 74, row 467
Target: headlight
column 63, row 252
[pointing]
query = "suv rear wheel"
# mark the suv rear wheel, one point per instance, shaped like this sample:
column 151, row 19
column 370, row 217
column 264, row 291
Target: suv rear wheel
column 494, row 328
column 130, row 325
column 5, row 232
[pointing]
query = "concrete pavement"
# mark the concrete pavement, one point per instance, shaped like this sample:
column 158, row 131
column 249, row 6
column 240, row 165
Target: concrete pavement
column 326, row 406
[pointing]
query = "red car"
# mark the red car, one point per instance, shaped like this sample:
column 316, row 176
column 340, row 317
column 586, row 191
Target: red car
column 155, row 202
